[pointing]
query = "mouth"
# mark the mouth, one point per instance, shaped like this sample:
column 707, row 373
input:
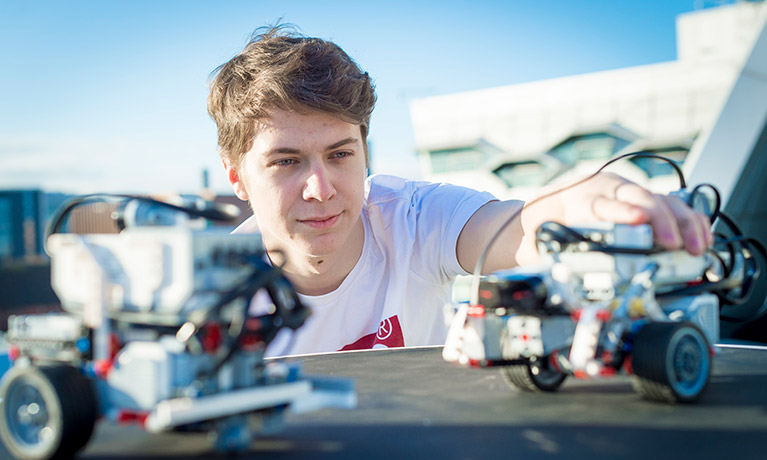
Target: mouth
column 321, row 222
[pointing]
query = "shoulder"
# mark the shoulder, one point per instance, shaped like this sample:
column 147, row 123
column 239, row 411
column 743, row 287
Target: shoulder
column 248, row 226
column 381, row 188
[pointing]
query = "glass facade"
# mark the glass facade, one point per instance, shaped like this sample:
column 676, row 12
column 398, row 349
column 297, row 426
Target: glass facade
column 6, row 228
column 23, row 216
column 458, row 159
column 523, row 174
column 656, row 168
column 594, row 146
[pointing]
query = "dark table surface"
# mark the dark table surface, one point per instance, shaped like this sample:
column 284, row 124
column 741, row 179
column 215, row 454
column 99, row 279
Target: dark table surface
column 414, row 405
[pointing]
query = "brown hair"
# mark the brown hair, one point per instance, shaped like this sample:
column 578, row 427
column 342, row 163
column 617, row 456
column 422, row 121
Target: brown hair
column 281, row 69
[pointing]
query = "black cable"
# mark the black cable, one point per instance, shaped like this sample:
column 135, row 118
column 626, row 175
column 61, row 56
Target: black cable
column 749, row 248
column 264, row 276
column 731, row 224
column 554, row 231
column 717, row 203
column 565, row 236
column 726, row 265
column 483, row 255
column 642, row 154
column 550, row 232
column 289, row 312
column 218, row 212
column 750, row 276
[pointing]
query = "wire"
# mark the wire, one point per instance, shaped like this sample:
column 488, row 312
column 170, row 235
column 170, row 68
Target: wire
column 483, row 255
column 548, row 231
column 730, row 290
column 717, row 200
column 289, row 311
column 642, row 154
column 216, row 212
column 748, row 248
column 737, row 245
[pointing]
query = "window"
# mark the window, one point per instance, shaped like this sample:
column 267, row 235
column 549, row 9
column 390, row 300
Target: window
column 654, row 167
column 523, row 174
column 6, row 228
column 458, row 159
column 594, row 146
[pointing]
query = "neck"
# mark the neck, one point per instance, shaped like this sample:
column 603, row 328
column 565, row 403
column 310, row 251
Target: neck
column 318, row 275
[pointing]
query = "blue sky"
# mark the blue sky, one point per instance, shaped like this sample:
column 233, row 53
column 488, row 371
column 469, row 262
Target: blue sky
column 110, row 95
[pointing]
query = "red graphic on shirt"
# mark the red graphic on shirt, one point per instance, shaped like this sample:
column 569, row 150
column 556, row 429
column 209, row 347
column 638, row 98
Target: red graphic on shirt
column 389, row 335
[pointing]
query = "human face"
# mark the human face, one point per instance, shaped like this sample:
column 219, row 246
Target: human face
column 304, row 178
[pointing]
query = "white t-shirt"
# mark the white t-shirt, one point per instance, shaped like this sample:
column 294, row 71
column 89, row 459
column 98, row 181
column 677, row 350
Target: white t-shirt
column 395, row 294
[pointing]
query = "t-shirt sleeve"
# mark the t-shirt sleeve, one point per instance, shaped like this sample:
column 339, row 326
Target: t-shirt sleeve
column 442, row 211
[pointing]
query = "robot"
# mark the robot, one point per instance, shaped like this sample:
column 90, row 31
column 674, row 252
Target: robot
column 155, row 331
column 604, row 300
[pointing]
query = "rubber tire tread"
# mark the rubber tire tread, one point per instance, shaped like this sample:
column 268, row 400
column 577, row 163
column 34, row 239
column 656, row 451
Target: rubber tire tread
column 520, row 376
column 86, row 407
column 650, row 379
column 78, row 408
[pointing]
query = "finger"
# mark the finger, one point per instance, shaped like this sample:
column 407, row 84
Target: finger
column 618, row 212
column 690, row 225
column 665, row 226
column 704, row 222
column 660, row 216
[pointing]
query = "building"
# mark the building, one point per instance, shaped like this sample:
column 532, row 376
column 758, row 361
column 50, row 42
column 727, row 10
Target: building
column 707, row 111
column 23, row 217
column 510, row 140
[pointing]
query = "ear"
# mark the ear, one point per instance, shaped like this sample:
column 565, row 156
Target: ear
column 235, row 179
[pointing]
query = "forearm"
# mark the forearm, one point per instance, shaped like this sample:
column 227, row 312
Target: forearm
column 510, row 228
column 604, row 197
column 547, row 207
column 494, row 232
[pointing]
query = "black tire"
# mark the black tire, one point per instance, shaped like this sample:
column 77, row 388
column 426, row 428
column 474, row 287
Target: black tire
column 671, row 362
column 533, row 377
column 46, row 411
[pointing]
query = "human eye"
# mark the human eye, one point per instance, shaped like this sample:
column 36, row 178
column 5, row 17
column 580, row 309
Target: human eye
column 341, row 154
column 283, row 162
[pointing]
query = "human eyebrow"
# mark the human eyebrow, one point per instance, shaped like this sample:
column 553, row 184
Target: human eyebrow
column 294, row 151
column 341, row 143
column 288, row 150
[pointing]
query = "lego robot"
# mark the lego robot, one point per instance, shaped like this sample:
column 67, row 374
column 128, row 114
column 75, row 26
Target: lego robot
column 155, row 332
column 603, row 301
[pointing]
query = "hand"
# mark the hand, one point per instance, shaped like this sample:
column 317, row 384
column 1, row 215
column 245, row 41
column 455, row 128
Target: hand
column 604, row 197
column 609, row 197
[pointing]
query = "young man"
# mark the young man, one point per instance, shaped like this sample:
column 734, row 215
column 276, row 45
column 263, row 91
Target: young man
column 375, row 257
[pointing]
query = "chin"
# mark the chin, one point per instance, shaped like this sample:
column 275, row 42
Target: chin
column 322, row 247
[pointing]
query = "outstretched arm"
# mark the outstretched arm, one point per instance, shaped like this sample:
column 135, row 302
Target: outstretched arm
column 604, row 197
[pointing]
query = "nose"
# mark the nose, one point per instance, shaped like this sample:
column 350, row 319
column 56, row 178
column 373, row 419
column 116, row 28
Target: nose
column 319, row 184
